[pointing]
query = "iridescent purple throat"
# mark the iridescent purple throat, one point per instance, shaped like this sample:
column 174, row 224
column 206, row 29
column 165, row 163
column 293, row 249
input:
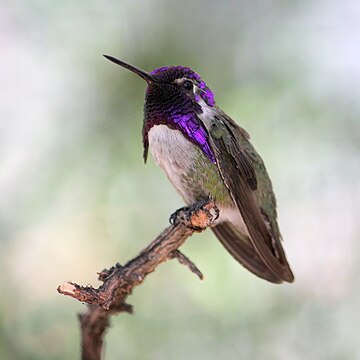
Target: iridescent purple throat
column 167, row 106
column 194, row 130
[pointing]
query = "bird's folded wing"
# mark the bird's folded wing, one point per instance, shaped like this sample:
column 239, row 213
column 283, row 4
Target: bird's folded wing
column 240, row 178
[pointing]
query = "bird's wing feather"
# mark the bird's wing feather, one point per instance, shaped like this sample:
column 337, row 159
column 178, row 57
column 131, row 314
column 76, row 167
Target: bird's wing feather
column 238, row 173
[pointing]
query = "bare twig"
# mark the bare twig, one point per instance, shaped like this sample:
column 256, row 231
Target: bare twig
column 119, row 281
column 187, row 262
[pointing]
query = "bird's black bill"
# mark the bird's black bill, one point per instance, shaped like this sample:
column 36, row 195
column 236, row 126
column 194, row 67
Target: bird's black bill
column 143, row 74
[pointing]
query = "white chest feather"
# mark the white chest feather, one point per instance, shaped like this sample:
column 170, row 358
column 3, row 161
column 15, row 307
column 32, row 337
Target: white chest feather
column 176, row 156
column 173, row 153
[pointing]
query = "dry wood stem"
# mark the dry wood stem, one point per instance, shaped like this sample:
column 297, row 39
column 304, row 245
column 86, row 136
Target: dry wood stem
column 119, row 281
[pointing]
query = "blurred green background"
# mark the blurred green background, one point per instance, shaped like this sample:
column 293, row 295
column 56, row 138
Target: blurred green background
column 76, row 197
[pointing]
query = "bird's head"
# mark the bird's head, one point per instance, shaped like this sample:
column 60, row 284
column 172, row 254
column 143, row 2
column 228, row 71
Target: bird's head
column 175, row 96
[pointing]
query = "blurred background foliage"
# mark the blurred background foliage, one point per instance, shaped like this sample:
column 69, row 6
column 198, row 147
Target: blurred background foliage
column 76, row 197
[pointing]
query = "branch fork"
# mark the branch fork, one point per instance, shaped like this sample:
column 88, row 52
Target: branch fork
column 119, row 281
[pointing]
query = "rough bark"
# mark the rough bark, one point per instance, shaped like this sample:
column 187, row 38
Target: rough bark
column 119, row 281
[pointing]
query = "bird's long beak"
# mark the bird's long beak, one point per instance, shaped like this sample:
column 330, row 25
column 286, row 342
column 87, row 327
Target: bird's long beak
column 143, row 74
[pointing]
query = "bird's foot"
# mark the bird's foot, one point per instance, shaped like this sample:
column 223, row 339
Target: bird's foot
column 184, row 213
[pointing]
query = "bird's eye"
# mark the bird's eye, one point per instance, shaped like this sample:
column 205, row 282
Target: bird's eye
column 188, row 85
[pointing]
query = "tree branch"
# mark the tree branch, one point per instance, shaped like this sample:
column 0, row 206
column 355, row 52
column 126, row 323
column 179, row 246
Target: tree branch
column 119, row 281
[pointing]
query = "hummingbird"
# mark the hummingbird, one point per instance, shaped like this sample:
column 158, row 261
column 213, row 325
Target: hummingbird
column 205, row 154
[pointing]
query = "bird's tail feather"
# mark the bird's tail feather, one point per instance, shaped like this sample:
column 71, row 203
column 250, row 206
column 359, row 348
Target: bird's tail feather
column 241, row 248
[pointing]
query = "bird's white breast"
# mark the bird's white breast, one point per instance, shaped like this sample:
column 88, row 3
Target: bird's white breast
column 175, row 155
